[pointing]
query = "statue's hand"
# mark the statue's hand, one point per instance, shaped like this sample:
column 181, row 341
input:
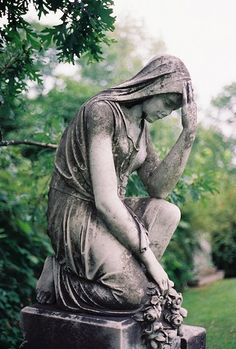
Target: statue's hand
column 160, row 277
column 189, row 108
column 156, row 271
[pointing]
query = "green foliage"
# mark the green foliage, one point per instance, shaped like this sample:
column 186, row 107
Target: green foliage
column 16, row 63
column 224, row 231
column 216, row 157
column 135, row 186
column 226, row 98
column 81, row 31
column 23, row 244
column 223, row 116
column 178, row 258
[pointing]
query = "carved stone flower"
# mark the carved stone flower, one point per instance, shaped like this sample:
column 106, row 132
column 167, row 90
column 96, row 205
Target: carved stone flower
column 152, row 289
column 155, row 300
column 139, row 316
column 150, row 315
column 183, row 312
column 160, row 338
column 176, row 320
column 161, row 317
column 157, row 326
column 176, row 302
column 154, row 344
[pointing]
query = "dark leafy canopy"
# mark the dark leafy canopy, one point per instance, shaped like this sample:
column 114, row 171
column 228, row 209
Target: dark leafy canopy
column 81, row 31
column 23, row 243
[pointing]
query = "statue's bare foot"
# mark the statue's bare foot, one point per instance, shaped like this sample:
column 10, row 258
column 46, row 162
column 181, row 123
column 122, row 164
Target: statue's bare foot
column 45, row 292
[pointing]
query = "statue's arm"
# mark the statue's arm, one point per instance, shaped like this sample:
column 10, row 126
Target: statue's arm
column 160, row 177
column 104, row 181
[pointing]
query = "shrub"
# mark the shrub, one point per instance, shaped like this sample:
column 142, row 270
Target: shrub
column 23, row 246
column 224, row 250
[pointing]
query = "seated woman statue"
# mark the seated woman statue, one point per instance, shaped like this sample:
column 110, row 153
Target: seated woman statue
column 108, row 247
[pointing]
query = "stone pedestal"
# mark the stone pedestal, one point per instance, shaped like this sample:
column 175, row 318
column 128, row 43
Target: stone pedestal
column 193, row 337
column 48, row 328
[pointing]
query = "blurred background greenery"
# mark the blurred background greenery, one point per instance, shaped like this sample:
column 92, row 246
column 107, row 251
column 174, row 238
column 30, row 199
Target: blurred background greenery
column 40, row 110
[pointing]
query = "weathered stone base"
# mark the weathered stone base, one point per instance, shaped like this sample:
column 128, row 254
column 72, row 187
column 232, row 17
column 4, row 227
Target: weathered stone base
column 45, row 327
column 193, row 337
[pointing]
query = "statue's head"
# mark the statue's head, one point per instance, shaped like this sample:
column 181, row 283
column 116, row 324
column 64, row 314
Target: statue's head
column 163, row 74
column 159, row 106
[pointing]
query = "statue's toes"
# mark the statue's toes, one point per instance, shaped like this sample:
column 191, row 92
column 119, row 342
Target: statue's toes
column 38, row 295
column 51, row 299
column 43, row 296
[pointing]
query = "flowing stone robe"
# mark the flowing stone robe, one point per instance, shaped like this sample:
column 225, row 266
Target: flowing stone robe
column 91, row 266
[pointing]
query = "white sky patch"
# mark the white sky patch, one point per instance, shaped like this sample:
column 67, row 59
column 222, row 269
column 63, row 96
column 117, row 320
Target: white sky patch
column 50, row 19
column 67, row 69
column 202, row 33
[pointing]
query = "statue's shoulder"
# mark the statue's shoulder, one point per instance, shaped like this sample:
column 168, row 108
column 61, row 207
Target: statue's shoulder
column 99, row 109
column 99, row 115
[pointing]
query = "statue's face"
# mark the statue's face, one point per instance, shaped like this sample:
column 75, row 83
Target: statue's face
column 161, row 105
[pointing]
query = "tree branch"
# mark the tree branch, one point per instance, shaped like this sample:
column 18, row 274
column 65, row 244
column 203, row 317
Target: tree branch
column 26, row 142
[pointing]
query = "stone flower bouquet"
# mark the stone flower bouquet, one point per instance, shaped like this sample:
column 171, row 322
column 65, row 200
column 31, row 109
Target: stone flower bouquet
column 161, row 318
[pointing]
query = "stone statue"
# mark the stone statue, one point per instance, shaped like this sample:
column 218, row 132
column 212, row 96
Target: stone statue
column 108, row 247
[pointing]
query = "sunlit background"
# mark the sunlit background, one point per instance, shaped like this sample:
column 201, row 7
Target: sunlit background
column 203, row 34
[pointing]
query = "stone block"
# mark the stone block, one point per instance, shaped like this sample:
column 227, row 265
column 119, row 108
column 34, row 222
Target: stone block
column 194, row 337
column 49, row 328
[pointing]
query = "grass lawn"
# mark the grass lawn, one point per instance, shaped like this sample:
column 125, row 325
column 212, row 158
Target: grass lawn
column 214, row 307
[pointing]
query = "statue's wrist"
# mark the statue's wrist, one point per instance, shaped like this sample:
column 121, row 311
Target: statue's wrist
column 148, row 258
column 189, row 135
column 190, row 130
column 145, row 256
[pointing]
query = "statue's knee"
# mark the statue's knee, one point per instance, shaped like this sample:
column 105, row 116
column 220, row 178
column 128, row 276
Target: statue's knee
column 132, row 292
column 174, row 213
column 168, row 211
column 134, row 296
